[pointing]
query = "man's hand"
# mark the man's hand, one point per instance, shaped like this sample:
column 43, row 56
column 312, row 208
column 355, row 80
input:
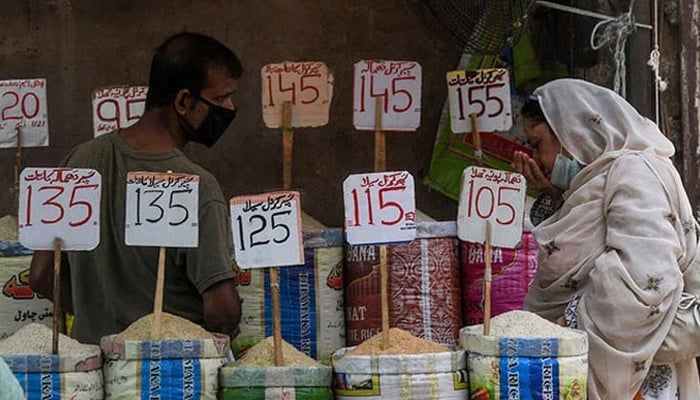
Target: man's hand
column 536, row 179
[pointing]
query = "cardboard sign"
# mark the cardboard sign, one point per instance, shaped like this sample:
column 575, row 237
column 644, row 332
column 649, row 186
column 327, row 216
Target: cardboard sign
column 397, row 85
column 485, row 92
column 162, row 209
column 307, row 85
column 491, row 195
column 23, row 107
column 59, row 203
column 379, row 208
column 117, row 107
column 267, row 230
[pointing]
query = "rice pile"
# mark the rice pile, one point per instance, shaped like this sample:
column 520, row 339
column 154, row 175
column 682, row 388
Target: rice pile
column 263, row 355
column 400, row 342
column 172, row 327
column 37, row 339
column 518, row 323
column 8, row 228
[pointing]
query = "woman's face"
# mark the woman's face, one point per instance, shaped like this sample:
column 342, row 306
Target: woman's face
column 543, row 142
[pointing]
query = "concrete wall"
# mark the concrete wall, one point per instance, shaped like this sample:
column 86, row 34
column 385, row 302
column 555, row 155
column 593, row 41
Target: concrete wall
column 82, row 45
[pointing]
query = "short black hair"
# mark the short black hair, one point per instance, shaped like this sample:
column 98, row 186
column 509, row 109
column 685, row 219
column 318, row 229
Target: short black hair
column 532, row 110
column 183, row 61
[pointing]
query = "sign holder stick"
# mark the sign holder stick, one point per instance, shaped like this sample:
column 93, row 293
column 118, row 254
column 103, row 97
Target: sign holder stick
column 56, row 294
column 287, row 145
column 380, row 166
column 477, row 139
column 18, row 169
column 487, row 281
column 157, row 326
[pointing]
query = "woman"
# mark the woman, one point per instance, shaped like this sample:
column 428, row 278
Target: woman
column 615, row 230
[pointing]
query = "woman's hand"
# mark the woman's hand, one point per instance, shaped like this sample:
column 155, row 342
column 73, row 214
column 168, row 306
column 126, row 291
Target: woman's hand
column 536, row 179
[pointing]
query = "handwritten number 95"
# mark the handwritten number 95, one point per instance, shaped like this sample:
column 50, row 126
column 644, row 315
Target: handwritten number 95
column 258, row 223
column 156, row 195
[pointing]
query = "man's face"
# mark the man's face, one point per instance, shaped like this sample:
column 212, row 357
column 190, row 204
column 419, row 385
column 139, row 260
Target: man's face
column 219, row 88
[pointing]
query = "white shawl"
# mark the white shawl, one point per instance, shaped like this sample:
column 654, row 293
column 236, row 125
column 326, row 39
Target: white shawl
column 621, row 239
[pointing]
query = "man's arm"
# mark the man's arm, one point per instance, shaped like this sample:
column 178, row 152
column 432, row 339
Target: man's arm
column 41, row 278
column 222, row 308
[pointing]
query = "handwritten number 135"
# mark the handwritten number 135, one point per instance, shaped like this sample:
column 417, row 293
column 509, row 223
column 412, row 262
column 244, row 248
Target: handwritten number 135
column 158, row 194
column 60, row 208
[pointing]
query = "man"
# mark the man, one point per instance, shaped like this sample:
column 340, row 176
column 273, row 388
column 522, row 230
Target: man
column 192, row 81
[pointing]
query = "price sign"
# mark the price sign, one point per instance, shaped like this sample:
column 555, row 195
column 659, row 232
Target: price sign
column 267, row 230
column 117, row 107
column 59, row 203
column 485, row 92
column 397, row 85
column 379, row 208
column 23, row 106
column 162, row 209
column 491, row 195
column 307, row 85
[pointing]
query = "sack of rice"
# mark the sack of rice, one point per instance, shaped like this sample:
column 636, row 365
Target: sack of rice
column 183, row 363
column 74, row 373
column 512, row 273
column 425, row 294
column 254, row 376
column 19, row 305
column 311, row 299
column 411, row 368
column 525, row 357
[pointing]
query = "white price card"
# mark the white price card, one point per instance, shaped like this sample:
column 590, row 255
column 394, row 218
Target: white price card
column 484, row 92
column 162, row 209
column 23, row 108
column 117, row 107
column 495, row 196
column 61, row 203
column 307, row 85
column 267, row 230
column 396, row 85
column 379, row 208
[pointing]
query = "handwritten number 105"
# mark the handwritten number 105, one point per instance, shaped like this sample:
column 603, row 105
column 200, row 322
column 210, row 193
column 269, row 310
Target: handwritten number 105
column 494, row 201
column 274, row 225
column 51, row 201
column 158, row 194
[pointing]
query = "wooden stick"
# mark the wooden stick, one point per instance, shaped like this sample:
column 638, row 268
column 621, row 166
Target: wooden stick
column 156, row 328
column 287, row 145
column 477, row 138
column 276, row 325
column 56, row 293
column 18, row 169
column 383, row 270
column 379, row 139
column 487, row 281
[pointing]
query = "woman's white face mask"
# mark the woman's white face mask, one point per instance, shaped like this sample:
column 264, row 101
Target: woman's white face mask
column 564, row 171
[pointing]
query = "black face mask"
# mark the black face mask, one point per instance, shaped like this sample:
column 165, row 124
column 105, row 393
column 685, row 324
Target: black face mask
column 214, row 125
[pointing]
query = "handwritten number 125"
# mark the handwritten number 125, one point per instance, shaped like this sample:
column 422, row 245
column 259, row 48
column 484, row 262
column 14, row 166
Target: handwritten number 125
column 274, row 225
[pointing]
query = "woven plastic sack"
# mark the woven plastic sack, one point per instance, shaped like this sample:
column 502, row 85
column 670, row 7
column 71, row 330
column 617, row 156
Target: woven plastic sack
column 163, row 369
column 432, row 376
column 274, row 383
column 505, row 368
column 57, row 377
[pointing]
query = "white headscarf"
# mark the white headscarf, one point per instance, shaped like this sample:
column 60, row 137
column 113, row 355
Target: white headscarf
column 621, row 239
